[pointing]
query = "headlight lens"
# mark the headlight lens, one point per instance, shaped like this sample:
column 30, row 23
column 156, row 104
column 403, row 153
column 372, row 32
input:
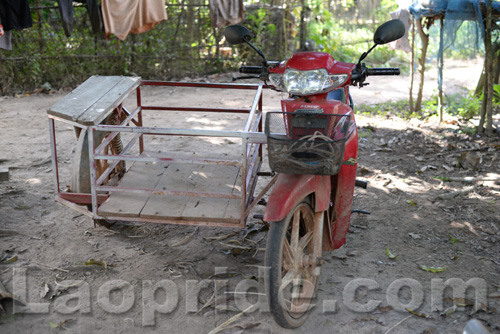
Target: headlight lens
column 307, row 82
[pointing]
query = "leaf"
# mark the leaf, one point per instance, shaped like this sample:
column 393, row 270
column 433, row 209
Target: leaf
column 389, row 254
column 421, row 315
column 443, row 178
column 92, row 262
column 9, row 260
column 454, row 240
column 449, row 311
column 60, row 324
column 350, row 161
column 411, row 202
column 46, row 290
column 432, row 269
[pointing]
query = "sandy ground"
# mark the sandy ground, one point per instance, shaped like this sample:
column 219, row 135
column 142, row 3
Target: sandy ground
column 44, row 245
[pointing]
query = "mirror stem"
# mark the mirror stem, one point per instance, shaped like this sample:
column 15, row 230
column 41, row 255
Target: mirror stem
column 364, row 55
column 258, row 51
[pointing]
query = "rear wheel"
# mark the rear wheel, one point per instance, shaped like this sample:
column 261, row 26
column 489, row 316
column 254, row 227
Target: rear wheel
column 292, row 266
column 80, row 182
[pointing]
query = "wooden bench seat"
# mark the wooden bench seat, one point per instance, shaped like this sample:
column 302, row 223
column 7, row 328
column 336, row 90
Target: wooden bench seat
column 91, row 102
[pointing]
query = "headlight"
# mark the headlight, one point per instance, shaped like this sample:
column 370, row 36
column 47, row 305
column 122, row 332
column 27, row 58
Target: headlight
column 307, row 82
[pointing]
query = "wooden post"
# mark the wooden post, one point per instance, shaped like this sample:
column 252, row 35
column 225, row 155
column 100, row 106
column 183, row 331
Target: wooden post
column 303, row 28
column 425, row 43
column 412, row 69
column 440, row 72
column 486, row 108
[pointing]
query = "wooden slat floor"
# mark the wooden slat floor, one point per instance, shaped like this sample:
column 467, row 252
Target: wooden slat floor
column 177, row 177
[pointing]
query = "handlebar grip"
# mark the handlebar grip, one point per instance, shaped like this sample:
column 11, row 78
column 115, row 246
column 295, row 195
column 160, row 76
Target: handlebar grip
column 252, row 69
column 383, row 71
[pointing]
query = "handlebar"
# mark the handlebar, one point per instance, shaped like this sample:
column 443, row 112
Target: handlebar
column 383, row 71
column 252, row 69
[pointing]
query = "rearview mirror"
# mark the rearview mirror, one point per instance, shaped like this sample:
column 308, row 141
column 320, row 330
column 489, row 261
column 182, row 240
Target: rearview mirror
column 237, row 34
column 389, row 32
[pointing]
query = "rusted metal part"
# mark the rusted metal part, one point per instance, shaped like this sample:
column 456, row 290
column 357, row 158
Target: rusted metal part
column 168, row 192
column 200, row 84
column 53, row 150
column 237, row 224
column 225, row 110
column 82, row 198
column 254, row 109
column 115, row 162
column 261, row 195
column 254, row 137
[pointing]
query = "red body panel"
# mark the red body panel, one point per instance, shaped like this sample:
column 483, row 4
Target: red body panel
column 290, row 189
column 306, row 61
column 333, row 193
column 343, row 189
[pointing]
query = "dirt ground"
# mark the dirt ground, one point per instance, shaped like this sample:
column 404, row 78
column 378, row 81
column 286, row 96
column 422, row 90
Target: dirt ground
column 44, row 245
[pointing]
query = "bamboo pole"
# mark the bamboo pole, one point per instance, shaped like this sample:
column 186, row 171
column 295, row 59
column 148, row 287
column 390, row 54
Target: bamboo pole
column 425, row 44
column 440, row 71
column 412, row 69
column 486, row 108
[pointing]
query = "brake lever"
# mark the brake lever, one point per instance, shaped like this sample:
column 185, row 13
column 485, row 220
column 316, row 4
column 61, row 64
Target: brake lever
column 246, row 77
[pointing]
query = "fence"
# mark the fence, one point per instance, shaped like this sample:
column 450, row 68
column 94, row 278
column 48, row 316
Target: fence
column 184, row 44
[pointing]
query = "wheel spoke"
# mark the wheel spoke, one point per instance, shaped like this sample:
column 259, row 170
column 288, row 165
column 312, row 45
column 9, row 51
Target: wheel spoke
column 287, row 255
column 294, row 239
column 287, row 279
column 304, row 241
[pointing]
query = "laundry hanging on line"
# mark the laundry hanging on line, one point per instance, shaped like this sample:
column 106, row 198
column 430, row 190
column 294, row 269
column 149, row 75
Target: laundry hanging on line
column 122, row 17
column 5, row 38
column 226, row 12
column 66, row 11
column 15, row 14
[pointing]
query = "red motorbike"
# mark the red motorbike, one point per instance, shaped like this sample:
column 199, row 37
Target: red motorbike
column 313, row 145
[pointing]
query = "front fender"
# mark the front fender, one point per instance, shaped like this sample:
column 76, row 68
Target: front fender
column 291, row 189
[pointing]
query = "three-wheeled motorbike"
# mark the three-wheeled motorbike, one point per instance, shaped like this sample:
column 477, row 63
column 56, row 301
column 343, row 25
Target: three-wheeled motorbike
column 313, row 145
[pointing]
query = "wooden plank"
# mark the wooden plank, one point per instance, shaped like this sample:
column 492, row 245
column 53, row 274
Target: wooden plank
column 176, row 177
column 139, row 175
column 73, row 105
column 4, row 173
column 109, row 101
column 212, row 178
column 233, row 210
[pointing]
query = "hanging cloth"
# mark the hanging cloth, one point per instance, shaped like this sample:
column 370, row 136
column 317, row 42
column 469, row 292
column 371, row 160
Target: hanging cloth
column 94, row 11
column 403, row 43
column 15, row 14
column 66, row 11
column 226, row 12
column 122, row 17
column 5, row 38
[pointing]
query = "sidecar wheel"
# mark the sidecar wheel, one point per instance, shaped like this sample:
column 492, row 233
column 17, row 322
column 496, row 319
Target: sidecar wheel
column 292, row 275
column 80, row 182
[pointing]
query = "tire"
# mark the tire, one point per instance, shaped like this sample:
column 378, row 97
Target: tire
column 80, row 181
column 291, row 279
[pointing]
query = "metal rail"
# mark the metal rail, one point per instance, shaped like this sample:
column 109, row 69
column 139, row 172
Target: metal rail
column 250, row 160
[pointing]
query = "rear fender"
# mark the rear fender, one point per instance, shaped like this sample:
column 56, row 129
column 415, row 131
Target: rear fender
column 291, row 189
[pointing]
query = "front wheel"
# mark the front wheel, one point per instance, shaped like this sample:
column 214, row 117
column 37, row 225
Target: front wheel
column 293, row 256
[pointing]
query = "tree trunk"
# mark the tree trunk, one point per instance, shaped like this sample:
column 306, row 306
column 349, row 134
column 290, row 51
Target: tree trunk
column 425, row 43
column 486, row 108
column 412, row 69
column 303, row 27
column 440, row 70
